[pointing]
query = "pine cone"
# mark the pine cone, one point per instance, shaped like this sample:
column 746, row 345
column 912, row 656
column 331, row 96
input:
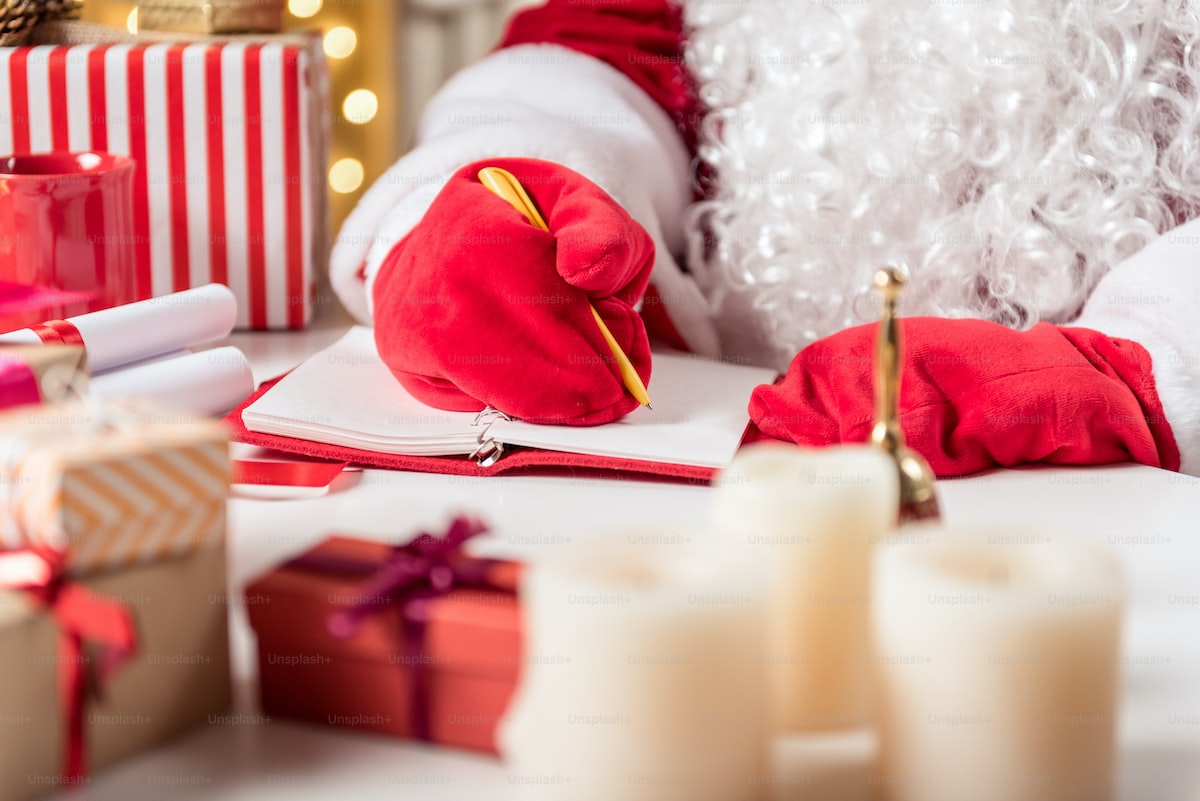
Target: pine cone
column 17, row 17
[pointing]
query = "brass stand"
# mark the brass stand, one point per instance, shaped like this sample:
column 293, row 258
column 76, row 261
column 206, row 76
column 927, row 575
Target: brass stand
column 918, row 491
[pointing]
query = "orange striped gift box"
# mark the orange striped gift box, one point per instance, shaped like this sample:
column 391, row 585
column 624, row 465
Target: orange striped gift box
column 230, row 140
column 135, row 489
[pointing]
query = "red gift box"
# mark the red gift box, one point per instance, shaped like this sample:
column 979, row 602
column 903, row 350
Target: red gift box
column 336, row 648
column 229, row 136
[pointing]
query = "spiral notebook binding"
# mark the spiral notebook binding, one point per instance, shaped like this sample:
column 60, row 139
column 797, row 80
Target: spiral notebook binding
column 489, row 450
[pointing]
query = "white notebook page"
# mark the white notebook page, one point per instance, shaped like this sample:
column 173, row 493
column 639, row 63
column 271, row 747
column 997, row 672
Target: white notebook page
column 699, row 416
column 344, row 395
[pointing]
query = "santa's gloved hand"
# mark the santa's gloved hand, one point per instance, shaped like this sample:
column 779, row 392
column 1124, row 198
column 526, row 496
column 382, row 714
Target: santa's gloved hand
column 974, row 395
column 476, row 307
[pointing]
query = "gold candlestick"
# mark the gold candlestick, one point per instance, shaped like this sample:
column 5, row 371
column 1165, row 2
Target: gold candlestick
column 918, row 491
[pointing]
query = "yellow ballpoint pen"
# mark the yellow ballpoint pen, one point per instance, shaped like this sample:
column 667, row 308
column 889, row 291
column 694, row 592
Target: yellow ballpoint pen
column 506, row 185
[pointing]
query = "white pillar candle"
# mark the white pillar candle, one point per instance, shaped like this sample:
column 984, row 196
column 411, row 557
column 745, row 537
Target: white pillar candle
column 815, row 515
column 643, row 677
column 997, row 661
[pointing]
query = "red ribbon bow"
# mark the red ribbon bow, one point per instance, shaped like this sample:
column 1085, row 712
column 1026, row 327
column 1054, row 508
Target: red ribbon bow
column 82, row 617
column 425, row 568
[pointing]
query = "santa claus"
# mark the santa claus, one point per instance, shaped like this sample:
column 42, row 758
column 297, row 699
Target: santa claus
column 730, row 174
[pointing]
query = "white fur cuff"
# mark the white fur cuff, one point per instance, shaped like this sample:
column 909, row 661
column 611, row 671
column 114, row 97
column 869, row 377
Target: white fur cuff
column 1151, row 298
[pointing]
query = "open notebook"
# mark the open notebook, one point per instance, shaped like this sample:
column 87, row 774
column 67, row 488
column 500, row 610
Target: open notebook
column 345, row 396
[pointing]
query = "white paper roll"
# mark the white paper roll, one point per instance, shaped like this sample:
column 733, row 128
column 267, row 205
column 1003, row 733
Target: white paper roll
column 997, row 660
column 209, row 382
column 815, row 514
column 643, row 678
column 136, row 331
column 162, row 357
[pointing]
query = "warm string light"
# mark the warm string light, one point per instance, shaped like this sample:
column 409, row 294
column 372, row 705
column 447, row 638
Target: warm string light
column 340, row 42
column 360, row 106
column 346, row 175
column 303, row 9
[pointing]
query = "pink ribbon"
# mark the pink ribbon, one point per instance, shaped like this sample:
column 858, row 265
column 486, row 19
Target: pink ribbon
column 18, row 384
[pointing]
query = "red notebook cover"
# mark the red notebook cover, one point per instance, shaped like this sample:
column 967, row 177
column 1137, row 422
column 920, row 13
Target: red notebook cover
column 516, row 461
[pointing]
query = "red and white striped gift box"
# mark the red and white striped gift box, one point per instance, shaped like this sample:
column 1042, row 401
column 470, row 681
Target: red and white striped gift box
column 230, row 144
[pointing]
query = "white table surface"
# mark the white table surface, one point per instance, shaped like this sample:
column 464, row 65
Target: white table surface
column 251, row 759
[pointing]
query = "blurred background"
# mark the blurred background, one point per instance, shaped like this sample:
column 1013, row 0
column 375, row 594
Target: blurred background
column 386, row 58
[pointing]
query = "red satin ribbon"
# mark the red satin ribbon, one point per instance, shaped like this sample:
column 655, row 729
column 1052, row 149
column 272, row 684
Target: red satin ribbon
column 286, row 474
column 57, row 332
column 82, row 617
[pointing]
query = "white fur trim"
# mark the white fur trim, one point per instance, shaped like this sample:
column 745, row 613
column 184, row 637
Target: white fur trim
column 546, row 102
column 1152, row 298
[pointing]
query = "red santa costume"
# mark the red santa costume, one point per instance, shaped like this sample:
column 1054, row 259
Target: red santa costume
column 1033, row 164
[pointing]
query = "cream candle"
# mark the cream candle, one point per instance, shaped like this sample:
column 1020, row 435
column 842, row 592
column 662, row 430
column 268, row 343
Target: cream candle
column 997, row 663
column 643, row 677
column 814, row 514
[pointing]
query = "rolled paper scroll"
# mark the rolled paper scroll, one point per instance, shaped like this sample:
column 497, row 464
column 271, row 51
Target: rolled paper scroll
column 209, row 382
column 136, row 331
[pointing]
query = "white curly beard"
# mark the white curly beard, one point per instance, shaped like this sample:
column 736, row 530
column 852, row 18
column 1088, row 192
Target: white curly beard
column 1009, row 152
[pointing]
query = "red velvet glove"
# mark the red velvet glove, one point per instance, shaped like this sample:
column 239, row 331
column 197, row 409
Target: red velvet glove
column 476, row 307
column 975, row 395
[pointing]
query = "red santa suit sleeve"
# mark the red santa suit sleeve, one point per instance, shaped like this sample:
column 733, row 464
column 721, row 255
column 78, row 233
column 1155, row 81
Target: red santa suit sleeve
column 641, row 39
column 597, row 88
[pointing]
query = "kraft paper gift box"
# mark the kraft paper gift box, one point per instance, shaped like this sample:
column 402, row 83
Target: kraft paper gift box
column 127, row 503
column 32, row 374
column 176, row 678
column 230, row 135
column 111, row 493
column 451, row 676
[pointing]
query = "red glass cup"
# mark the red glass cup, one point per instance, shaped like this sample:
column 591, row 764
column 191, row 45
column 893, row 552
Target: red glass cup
column 66, row 235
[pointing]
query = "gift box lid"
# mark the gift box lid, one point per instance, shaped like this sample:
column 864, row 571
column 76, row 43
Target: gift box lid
column 468, row 629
